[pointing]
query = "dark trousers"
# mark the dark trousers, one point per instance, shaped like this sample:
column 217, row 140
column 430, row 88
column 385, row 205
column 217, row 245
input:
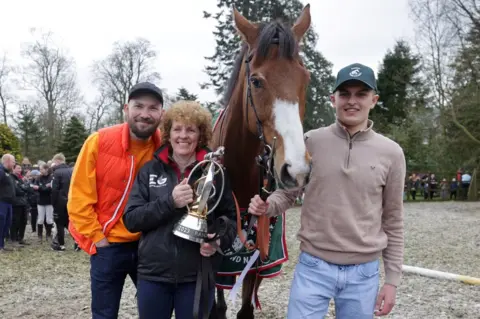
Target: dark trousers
column 61, row 222
column 5, row 222
column 465, row 187
column 19, row 223
column 33, row 218
column 413, row 193
column 156, row 300
column 108, row 269
column 453, row 194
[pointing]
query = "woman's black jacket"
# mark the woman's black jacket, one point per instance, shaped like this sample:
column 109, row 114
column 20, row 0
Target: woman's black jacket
column 162, row 256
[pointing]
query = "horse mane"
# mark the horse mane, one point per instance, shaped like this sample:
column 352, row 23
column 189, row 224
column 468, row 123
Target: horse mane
column 274, row 32
column 232, row 81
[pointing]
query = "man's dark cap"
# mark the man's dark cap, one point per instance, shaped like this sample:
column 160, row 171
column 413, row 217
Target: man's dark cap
column 356, row 72
column 145, row 88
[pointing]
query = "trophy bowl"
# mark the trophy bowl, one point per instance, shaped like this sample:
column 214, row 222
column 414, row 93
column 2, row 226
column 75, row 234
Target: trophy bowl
column 193, row 225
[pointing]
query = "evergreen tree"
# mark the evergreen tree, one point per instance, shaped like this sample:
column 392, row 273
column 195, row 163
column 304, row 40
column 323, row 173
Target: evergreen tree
column 73, row 138
column 184, row 94
column 400, row 87
column 9, row 142
column 319, row 112
column 28, row 129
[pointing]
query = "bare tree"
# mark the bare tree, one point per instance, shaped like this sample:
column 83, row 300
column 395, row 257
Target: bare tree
column 5, row 71
column 445, row 28
column 466, row 11
column 129, row 63
column 437, row 41
column 51, row 73
column 97, row 111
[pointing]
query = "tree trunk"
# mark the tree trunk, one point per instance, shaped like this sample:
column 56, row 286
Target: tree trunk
column 473, row 189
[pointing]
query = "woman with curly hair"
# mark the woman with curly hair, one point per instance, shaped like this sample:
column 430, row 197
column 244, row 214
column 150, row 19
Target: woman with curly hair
column 168, row 265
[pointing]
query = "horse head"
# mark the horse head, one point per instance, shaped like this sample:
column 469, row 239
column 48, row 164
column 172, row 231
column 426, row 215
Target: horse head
column 275, row 92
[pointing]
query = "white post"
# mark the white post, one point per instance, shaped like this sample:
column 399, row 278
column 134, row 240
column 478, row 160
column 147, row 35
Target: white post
column 440, row 274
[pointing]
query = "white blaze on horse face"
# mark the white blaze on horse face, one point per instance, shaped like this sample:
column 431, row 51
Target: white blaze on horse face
column 288, row 124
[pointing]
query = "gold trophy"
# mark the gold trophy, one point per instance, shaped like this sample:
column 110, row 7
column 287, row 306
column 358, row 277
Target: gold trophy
column 193, row 226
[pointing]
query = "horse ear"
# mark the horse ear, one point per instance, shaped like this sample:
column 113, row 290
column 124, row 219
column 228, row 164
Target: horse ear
column 248, row 31
column 302, row 24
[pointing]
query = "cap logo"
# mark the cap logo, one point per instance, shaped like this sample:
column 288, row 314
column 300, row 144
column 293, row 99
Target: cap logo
column 355, row 72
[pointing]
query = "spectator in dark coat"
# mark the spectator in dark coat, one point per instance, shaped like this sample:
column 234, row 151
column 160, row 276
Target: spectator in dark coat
column 20, row 207
column 45, row 209
column 453, row 189
column 32, row 198
column 7, row 196
column 62, row 173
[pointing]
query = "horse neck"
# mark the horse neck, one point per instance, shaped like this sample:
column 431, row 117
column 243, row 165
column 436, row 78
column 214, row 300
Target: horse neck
column 241, row 149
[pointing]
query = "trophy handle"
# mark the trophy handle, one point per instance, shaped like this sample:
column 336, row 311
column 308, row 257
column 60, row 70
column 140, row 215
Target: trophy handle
column 217, row 169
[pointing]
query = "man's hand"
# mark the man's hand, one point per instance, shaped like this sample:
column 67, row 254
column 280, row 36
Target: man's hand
column 207, row 249
column 385, row 300
column 35, row 187
column 257, row 206
column 182, row 194
column 102, row 243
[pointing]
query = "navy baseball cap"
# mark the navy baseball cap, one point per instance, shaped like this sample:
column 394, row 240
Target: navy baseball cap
column 356, row 72
column 145, row 88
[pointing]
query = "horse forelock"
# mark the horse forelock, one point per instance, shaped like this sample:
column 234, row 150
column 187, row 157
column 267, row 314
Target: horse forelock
column 274, row 32
column 278, row 33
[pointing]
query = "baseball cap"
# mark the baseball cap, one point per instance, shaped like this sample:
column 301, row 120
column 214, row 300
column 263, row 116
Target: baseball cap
column 356, row 72
column 35, row 173
column 145, row 88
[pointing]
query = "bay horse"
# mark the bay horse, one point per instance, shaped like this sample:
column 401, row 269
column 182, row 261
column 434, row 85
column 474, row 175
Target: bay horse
column 264, row 101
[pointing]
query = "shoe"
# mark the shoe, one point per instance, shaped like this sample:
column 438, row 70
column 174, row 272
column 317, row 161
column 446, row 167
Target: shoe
column 16, row 244
column 23, row 242
column 76, row 248
column 58, row 248
column 5, row 250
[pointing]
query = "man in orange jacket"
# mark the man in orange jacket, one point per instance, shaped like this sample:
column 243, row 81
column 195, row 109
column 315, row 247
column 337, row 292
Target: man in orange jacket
column 102, row 178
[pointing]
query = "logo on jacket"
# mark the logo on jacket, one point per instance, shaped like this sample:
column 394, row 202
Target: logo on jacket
column 155, row 181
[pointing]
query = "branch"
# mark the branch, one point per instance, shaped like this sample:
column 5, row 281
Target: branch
column 463, row 128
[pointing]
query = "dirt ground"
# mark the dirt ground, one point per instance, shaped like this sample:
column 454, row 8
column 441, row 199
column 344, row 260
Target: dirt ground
column 36, row 282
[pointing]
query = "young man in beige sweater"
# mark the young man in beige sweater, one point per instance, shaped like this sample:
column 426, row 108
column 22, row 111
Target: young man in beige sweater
column 352, row 213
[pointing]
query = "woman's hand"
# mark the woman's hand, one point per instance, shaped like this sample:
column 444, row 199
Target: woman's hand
column 182, row 194
column 207, row 249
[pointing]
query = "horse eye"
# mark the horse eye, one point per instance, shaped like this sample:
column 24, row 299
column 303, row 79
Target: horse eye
column 256, row 83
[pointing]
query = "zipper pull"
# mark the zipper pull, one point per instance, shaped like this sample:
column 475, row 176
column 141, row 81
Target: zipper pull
column 350, row 144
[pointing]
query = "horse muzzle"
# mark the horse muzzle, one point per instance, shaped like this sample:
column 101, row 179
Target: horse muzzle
column 295, row 181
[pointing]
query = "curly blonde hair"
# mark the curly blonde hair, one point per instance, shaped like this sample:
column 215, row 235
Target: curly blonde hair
column 188, row 112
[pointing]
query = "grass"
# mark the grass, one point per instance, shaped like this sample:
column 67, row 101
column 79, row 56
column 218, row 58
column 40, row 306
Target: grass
column 36, row 282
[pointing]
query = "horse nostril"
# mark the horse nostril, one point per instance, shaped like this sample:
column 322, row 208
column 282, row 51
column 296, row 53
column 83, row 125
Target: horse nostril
column 286, row 178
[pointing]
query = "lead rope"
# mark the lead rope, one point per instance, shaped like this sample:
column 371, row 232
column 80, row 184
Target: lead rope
column 205, row 276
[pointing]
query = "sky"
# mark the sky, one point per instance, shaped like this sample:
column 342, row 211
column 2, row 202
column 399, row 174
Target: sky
column 349, row 31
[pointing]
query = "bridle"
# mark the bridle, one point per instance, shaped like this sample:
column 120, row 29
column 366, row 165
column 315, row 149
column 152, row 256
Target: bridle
column 268, row 179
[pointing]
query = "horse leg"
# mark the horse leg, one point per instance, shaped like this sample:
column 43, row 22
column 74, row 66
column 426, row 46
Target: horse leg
column 219, row 309
column 257, row 284
column 246, row 312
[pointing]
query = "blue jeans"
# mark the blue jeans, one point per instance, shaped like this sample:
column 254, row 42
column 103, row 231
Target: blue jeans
column 354, row 289
column 108, row 269
column 5, row 222
column 157, row 300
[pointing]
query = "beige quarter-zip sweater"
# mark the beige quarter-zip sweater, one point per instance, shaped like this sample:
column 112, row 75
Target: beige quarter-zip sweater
column 353, row 207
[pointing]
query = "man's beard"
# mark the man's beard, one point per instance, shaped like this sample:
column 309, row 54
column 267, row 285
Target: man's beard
column 142, row 134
